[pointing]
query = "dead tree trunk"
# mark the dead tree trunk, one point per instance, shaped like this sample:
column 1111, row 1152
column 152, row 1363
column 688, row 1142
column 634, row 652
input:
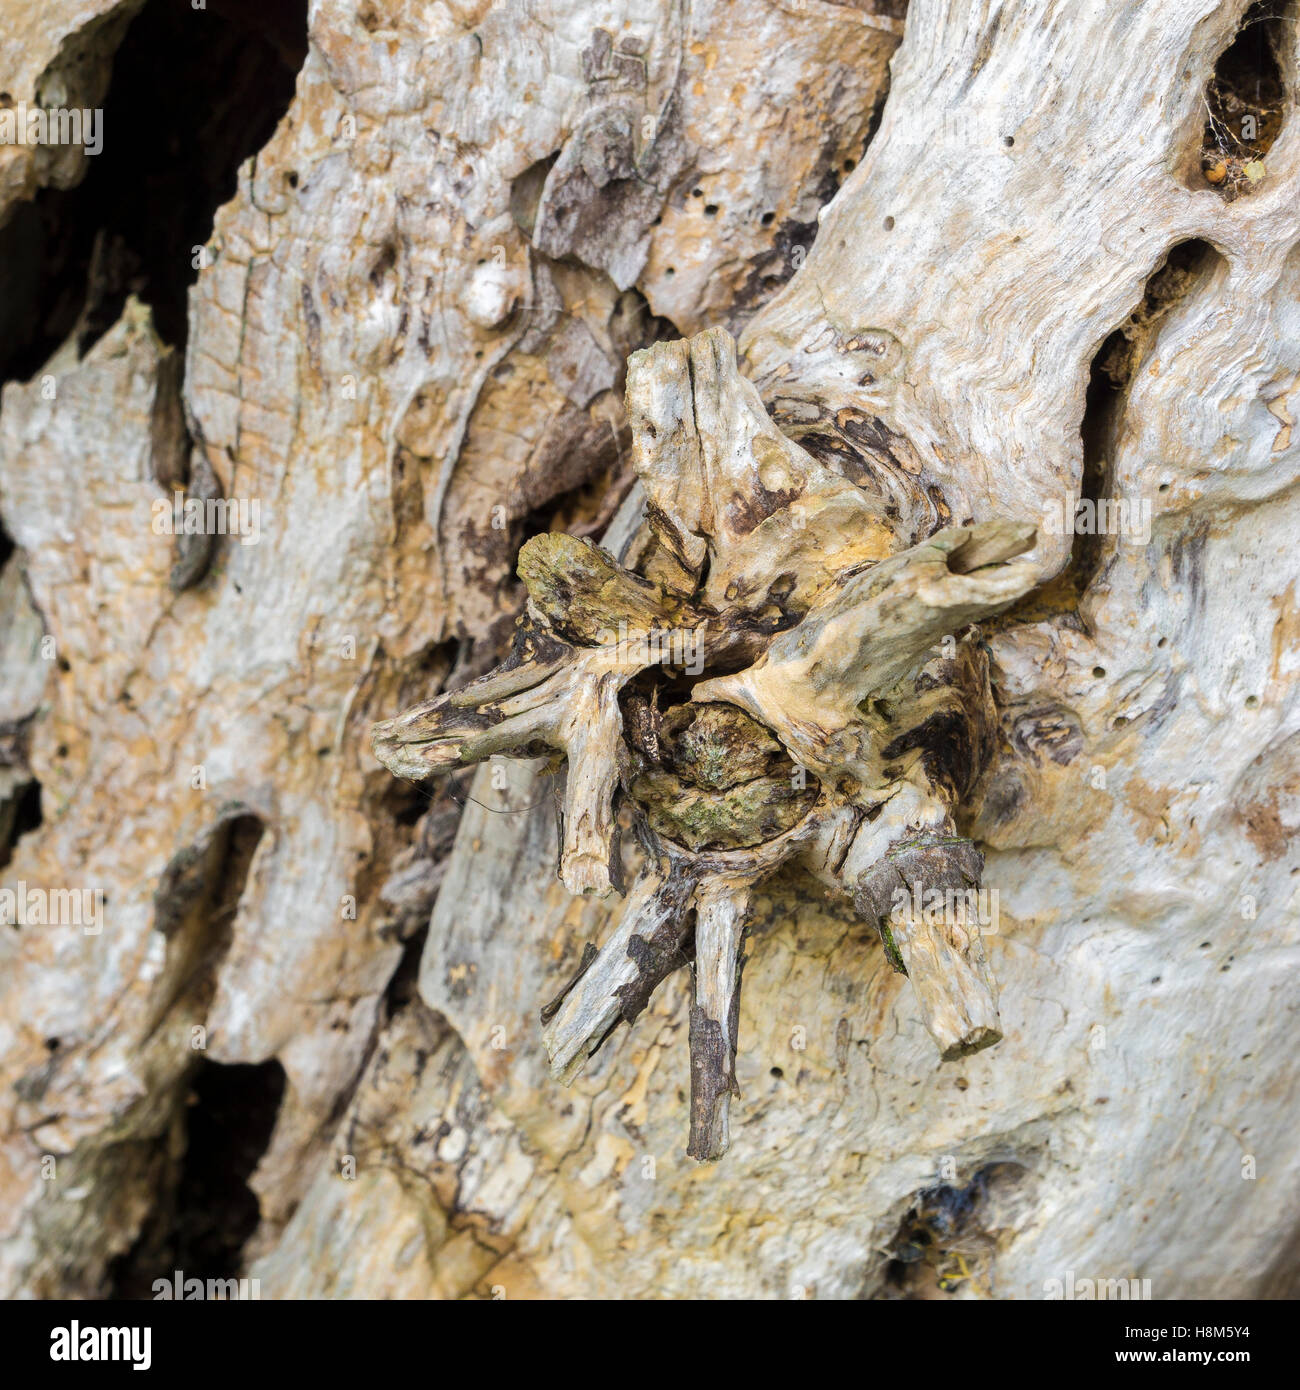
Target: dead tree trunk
column 865, row 521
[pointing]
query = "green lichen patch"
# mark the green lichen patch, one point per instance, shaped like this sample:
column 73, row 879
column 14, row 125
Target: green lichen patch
column 892, row 954
column 737, row 818
column 719, row 746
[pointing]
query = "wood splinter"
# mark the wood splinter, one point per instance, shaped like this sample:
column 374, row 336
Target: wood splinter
column 720, row 907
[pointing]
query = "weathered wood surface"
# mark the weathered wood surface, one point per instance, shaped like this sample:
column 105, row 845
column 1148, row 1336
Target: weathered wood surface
column 364, row 360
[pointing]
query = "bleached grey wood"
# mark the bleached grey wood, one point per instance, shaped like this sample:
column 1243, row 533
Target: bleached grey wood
column 1138, row 823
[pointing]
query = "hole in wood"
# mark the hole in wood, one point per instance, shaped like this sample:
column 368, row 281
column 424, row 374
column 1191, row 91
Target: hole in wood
column 1245, row 104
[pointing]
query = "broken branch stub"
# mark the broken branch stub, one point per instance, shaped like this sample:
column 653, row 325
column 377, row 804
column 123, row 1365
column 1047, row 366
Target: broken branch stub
column 724, row 485
column 869, row 629
column 923, row 895
column 720, row 907
column 589, row 627
column 646, row 947
column 911, row 876
column 762, row 682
